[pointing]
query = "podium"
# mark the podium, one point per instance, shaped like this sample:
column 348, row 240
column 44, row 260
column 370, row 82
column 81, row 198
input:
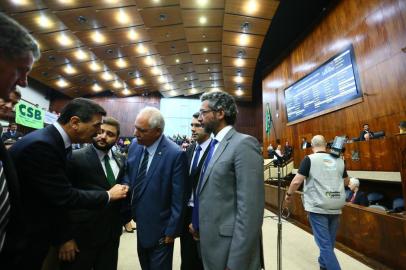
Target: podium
column 400, row 140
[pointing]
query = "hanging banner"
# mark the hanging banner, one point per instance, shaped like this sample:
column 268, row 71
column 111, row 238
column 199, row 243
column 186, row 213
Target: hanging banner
column 29, row 115
column 268, row 120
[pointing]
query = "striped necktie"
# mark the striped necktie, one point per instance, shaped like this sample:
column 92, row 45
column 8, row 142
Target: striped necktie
column 4, row 206
column 142, row 173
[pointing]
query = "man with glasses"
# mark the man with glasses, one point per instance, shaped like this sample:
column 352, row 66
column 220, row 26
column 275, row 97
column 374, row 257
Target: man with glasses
column 196, row 154
column 157, row 174
column 229, row 202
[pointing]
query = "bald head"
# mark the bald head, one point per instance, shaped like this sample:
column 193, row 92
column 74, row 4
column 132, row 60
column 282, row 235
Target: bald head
column 319, row 143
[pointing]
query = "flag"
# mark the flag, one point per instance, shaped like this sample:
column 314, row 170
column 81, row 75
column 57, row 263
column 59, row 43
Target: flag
column 268, row 120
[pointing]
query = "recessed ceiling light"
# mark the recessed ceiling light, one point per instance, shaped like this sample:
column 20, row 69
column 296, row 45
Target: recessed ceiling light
column 122, row 17
column 251, row 6
column 205, row 49
column 239, row 62
column 44, row 21
column 173, row 93
column 20, row 2
column 64, row 40
column 69, row 69
column 96, row 87
column 206, row 60
column 94, row 66
column 141, row 49
column 62, row 83
column 177, row 60
column 168, row 86
column 126, row 92
column 117, row 84
column 98, row 37
column 149, row 61
column 193, row 90
column 202, row 3
column 107, row 76
column 239, row 92
column 155, row 71
column 202, row 20
column 81, row 55
column 243, row 40
column 238, row 79
column 121, row 63
column 162, row 79
column 139, row 81
column 132, row 34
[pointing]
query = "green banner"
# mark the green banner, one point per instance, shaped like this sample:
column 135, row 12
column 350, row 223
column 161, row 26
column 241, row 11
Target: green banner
column 29, row 115
column 268, row 120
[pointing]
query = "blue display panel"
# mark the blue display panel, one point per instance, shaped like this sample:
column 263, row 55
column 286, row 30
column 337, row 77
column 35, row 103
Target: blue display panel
column 330, row 87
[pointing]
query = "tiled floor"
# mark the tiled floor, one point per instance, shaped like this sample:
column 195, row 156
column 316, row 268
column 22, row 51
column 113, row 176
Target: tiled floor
column 299, row 250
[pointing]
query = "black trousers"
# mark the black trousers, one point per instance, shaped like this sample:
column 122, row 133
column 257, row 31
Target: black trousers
column 101, row 257
column 188, row 246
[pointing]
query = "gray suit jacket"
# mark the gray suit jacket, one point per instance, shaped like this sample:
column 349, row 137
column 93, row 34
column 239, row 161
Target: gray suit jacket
column 231, row 205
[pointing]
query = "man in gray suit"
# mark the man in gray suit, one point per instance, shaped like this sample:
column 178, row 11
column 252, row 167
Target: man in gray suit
column 229, row 203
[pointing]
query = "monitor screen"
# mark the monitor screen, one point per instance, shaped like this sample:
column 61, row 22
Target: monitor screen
column 330, row 87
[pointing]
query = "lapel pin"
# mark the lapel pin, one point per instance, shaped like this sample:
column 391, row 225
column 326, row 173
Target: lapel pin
column 159, row 153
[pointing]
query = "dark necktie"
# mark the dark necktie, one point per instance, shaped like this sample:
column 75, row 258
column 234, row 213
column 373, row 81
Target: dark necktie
column 195, row 159
column 140, row 179
column 195, row 213
column 109, row 171
column 4, row 206
column 68, row 152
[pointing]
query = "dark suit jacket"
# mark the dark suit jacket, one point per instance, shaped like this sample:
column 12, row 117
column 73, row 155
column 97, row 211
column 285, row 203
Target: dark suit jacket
column 360, row 198
column 362, row 134
column 8, row 135
column 194, row 177
column 13, row 242
column 46, row 192
column 98, row 226
column 158, row 211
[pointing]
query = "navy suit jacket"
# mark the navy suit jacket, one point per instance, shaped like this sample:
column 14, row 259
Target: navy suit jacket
column 46, row 192
column 158, row 210
column 360, row 198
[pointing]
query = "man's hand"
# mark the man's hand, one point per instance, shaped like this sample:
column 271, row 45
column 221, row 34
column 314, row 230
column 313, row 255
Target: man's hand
column 288, row 199
column 67, row 252
column 118, row 192
column 194, row 233
column 169, row 240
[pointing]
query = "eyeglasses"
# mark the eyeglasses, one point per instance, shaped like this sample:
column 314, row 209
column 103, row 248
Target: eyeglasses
column 203, row 112
column 196, row 125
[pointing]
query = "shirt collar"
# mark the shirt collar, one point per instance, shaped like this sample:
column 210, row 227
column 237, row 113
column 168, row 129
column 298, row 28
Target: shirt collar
column 152, row 148
column 222, row 133
column 204, row 145
column 66, row 140
column 101, row 154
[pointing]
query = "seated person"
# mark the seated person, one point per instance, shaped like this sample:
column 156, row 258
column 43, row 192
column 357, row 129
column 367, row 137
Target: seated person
column 356, row 196
column 366, row 134
column 279, row 150
column 270, row 150
column 288, row 150
column 402, row 127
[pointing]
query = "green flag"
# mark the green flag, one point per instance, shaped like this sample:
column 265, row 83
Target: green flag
column 29, row 115
column 268, row 120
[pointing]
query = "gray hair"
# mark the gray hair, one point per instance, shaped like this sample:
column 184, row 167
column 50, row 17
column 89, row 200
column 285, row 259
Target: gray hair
column 319, row 141
column 156, row 120
column 219, row 100
column 15, row 40
column 354, row 181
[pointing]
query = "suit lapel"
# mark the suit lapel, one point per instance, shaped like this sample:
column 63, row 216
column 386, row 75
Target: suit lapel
column 93, row 158
column 219, row 151
column 120, row 165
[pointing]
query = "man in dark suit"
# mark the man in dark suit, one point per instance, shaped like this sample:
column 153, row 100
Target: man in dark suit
column 95, row 233
column 18, row 51
column 356, row 196
column 157, row 172
column 47, row 194
column 12, row 133
column 366, row 134
column 196, row 154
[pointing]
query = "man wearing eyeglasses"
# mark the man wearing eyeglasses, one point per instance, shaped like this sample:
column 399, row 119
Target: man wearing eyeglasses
column 229, row 203
column 157, row 174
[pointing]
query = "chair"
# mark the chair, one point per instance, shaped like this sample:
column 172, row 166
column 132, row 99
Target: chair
column 378, row 207
column 374, row 197
column 398, row 205
column 379, row 134
column 347, row 194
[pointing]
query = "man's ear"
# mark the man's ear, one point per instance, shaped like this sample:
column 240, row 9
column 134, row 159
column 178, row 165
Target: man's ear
column 221, row 114
column 74, row 122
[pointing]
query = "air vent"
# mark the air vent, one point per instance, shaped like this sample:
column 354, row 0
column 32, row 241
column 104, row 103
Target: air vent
column 44, row 73
column 82, row 19
column 109, row 51
column 51, row 58
column 245, row 27
column 163, row 17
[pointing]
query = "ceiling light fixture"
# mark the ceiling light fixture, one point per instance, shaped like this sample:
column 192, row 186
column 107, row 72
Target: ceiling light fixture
column 132, row 35
column 117, row 84
column 126, row 92
column 81, row 55
column 69, row 69
column 239, row 62
column 98, row 37
column 139, row 81
column 243, row 40
column 202, row 3
column 141, row 49
column 121, row 63
column 64, row 40
column 251, row 6
column 107, row 76
column 44, row 21
column 62, row 83
column 122, row 17
column 202, row 20
column 149, row 61
column 177, row 60
column 155, row 71
column 205, row 49
column 96, row 87
column 94, row 66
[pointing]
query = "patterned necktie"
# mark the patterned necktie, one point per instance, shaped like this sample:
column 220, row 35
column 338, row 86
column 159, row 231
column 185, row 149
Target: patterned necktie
column 195, row 213
column 195, row 159
column 4, row 206
column 142, row 172
column 109, row 171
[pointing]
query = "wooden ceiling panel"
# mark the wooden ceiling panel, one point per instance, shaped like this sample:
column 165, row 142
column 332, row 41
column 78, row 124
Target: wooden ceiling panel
column 126, row 36
column 208, row 68
column 51, row 58
column 235, row 51
column 246, row 24
column 199, row 59
column 161, row 3
column 96, row 37
column 167, row 33
column 172, row 47
column 62, row 5
column 121, row 63
column 204, row 47
column 111, row 52
column 120, row 17
column 59, row 40
column 83, row 79
column 140, row 49
column 97, row 4
column 129, row 73
column 80, row 19
column 210, row 76
column 209, row 84
column 259, row 8
column 181, row 69
column 246, row 40
column 233, row 71
column 188, row 4
column 162, row 16
column 194, row 18
column 44, row 73
column 238, row 62
column 203, row 34
column 247, row 81
column 43, row 21
column 186, row 77
column 176, row 59
column 9, row 7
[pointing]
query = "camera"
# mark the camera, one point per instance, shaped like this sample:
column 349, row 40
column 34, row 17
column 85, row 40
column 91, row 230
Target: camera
column 337, row 146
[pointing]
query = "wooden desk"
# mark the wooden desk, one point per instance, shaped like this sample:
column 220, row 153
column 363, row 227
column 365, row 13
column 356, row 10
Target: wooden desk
column 372, row 233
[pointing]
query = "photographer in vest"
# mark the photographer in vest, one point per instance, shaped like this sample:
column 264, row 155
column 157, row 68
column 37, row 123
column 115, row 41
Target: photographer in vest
column 323, row 197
